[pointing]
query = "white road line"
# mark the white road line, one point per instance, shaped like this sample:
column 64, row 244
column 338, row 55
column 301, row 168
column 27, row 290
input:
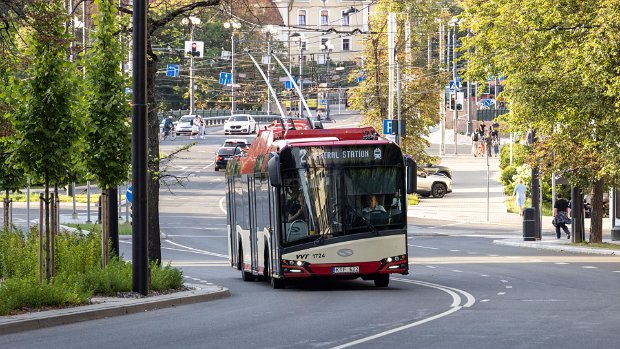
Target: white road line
column 561, row 263
column 197, row 250
column 501, row 293
column 493, row 255
column 209, row 165
column 589, row 267
column 426, row 247
column 198, row 236
column 484, row 300
column 222, row 205
column 616, row 271
column 455, row 250
column 504, row 281
column 456, row 271
column 454, row 308
column 484, row 275
column 431, row 266
column 445, row 225
column 508, row 286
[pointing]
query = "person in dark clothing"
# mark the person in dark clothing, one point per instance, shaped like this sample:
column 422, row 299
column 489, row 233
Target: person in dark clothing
column 561, row 212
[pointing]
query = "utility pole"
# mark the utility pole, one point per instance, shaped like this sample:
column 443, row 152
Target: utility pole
column 455, row 113
column 392, row 60
column 400, row 131
column 442, row 100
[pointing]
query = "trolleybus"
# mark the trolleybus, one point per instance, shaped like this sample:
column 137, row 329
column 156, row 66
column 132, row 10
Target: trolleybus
column 318, row 203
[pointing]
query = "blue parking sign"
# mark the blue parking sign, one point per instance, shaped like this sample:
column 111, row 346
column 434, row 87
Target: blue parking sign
column 387, row 127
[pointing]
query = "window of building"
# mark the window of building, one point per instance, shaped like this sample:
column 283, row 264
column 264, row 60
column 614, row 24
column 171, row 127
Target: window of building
column 346, row 44
column 301, row 17
column 345, row 18
column 324, row 17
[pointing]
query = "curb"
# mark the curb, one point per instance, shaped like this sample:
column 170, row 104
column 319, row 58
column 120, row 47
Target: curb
column 108, row 308
column 561, row 247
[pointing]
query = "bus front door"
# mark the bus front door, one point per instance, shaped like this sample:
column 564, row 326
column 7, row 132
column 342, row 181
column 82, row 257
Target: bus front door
column 252, row 218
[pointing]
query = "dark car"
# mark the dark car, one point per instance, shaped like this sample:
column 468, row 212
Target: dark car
column 224, row 154
column 432, row 169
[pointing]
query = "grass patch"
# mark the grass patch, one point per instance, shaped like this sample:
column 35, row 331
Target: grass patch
column 79, row 274
column 547, row 210
column 82, row 198
column 413, row 199
column 123, row 228
column 605, row 245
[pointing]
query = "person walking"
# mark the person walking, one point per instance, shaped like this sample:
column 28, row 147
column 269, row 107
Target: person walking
column 519, row 194
column 474, row 143
column 561, row 210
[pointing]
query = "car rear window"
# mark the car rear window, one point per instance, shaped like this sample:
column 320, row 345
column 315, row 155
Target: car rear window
column 238, row 118
column 229, row 151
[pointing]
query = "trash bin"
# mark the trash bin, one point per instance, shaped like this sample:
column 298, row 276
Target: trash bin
column 529, row 224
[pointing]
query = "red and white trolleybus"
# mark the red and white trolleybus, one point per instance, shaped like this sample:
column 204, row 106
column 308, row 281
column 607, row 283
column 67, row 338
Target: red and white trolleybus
column 318, row 203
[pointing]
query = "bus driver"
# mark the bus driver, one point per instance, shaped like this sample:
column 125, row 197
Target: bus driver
column 373, row 205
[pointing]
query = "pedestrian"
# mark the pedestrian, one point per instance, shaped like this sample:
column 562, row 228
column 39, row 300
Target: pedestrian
column 201, row 127
column 561, row 211
column 474, row 143
column 481, row 128
column 195, row 127
column 495, row 146
column 519, row 194
column 319, row 115
column 488, row 144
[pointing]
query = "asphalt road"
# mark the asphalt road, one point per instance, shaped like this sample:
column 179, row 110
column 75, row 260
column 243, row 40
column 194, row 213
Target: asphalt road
column 463, row 290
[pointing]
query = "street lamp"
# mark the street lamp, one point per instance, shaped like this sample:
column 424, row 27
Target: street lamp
column 454, row 23
column 301, row 41
column 234, row 24
column 269, row 31
column 327, row 47
column 192, row 22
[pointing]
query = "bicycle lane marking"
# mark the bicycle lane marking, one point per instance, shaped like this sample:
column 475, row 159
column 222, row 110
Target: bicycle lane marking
column 454, row 307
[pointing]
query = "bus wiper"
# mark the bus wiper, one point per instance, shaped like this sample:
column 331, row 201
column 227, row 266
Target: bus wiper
column 359, row 215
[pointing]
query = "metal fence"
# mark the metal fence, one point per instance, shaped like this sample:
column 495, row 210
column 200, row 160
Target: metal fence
column 207, row 113
column 489, row 114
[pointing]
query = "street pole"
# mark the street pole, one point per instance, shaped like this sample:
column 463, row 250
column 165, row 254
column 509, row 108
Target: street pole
column 442, row 100
column 456, row 91
column 301, row 77
column 139, row 151
column 191, row 74
column 233, row 105
column 268, row 72
column 398, row 103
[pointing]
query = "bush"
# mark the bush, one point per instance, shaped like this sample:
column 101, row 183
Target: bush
column 21, row 293
column 18, row 253
column 165, row 278
column 520, row 154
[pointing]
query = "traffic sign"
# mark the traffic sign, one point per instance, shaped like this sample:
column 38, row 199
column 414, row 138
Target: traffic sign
column 128, row 194
column 225, row 78
column 360, row 79
column 172, row 70
column 456, row 86
column 387, row 127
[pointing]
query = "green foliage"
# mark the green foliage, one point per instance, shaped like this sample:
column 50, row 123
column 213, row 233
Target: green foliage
column 77, row 253
column 47, row 127
column 18, row 254
column 123, row 228
column 507, row 174
column 24, row 293
column 520, row 155
column 108, row 148
column 165, row 278
column 420, row 94
column 116, row 277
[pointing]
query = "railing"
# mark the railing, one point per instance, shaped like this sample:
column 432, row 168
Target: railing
column 215, row 117
column 489, row 114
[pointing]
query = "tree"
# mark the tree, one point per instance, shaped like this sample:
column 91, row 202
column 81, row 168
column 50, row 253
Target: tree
column 420, row 81
column 108, row 143
column 46, row 127
column 560, row 73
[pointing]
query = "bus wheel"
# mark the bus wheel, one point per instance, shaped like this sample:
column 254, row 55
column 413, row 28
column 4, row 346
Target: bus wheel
column 382, row 280
column 277, row 283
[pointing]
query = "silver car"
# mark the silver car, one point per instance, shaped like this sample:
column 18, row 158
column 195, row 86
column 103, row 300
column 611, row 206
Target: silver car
column 437, row 185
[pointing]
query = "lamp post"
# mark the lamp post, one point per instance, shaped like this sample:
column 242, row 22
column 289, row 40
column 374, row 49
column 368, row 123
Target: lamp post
column 269, row 31
column 327, row 47
column 301, row 40
column 454, row 23
column 232, row 23
column 192, row 22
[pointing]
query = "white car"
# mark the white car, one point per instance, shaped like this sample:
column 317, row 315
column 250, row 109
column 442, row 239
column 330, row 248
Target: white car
column 240, row 123
column 437, row 185
column 184, row 125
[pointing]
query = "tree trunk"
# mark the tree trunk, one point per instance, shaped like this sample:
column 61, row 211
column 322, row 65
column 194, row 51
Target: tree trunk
column 6, row 211
column 596, row 217
column 47, row 232
column 154, row 242
column 105, row 227
column 113, row 220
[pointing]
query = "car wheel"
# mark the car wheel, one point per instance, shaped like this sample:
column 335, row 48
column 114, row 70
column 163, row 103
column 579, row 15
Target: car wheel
column 217, row 168
column 382, row 280
column 439, row 190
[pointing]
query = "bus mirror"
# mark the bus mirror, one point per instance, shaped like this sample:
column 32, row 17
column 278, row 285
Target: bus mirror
column 412, row 179
column 317, row 124
column 273, row 166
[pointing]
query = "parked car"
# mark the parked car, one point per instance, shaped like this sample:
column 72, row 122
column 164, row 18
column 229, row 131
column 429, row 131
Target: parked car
column 240, row 123
column 184, row 125
column 430, row 168
column 224, row 154
column 437, row 185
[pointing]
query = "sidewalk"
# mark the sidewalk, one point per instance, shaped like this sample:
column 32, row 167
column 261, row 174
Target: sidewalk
column 478, row 197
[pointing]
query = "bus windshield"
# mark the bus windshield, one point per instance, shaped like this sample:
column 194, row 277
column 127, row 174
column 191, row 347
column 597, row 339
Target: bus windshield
column 327, row 202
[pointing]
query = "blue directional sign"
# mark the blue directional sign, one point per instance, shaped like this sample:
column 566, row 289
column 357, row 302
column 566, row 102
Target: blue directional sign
column 225, row 78
column 172, row 70
column 128, row 194
column 387, row 127
column 289, row 85
column 360, row 79
column 487, row 102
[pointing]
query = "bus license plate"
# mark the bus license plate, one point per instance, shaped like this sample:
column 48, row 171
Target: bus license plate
column 346, row 270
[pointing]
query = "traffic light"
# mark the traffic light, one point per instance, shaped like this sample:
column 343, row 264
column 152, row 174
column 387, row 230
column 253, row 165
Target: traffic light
column 452, row 101
column 195, row 52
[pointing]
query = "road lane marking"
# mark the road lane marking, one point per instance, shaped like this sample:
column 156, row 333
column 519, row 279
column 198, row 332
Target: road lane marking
column 453, row 308
column 209, row 165
column 589, row 267
column 426, row 247
column 455, row 250
column 222, row 205
column 445, row 225
column 197, row 250
column 501, row 293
